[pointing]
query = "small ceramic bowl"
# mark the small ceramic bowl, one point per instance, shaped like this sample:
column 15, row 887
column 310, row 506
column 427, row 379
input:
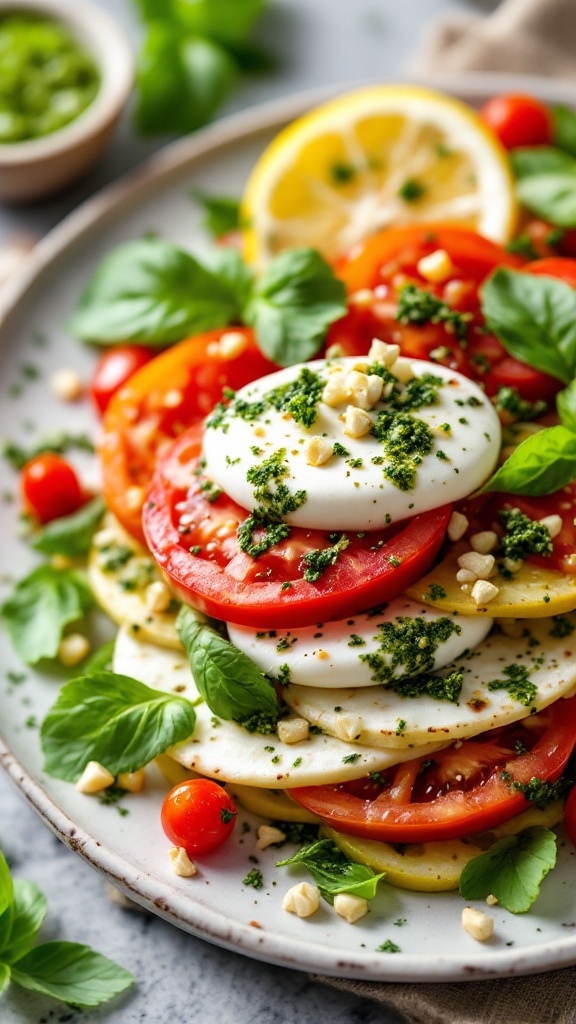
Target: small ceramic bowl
column 40, row 167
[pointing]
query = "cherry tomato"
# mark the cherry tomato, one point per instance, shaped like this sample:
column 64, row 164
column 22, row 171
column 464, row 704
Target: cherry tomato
column 460, row 792
column 388, row 262
column 113, row 369
column 173, row 391
column 570, row 816
column 50, row 488
column 199, row 815
column 196, row 543
column 519, row 120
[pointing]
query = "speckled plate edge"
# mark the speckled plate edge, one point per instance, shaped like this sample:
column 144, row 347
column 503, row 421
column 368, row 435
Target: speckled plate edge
column 154, row 894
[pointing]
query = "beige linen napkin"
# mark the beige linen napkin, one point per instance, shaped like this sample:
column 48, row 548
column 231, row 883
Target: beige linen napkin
column 526, row 37
column 536, row 37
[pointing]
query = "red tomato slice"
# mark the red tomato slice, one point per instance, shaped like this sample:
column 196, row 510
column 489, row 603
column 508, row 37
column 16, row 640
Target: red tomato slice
column 172, row 391
column 462, row 791
column 387, row 262
column 562, row 503
column 195, row 541
column 561, row 267
column 114, row 369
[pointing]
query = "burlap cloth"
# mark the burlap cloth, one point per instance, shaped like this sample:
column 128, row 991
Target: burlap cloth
column 535, row 37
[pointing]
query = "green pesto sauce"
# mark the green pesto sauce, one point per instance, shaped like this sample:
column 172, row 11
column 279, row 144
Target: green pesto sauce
column 448, row 687
column 46, row 78
column 320, row 559
column 518, row 684
column 408, row 643
column 524, row 536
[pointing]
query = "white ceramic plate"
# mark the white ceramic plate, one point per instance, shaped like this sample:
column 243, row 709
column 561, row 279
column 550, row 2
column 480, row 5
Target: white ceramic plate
column 131, row 850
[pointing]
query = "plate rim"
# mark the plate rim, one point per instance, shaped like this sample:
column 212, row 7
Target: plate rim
column 286, row 951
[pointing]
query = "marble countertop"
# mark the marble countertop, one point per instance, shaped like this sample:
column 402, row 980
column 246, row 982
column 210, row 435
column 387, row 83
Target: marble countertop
column 181, row 978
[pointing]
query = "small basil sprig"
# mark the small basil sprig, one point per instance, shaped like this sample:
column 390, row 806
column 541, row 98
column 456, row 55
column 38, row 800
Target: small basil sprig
column 221, row 213
column 152, row 292
column 41, row 606
column 512, row 870
column 112, row 719
column 535, row 319
column 68, row 971
column 71, row 535
column 333, row 872
column 232, row 686
column 546, row 183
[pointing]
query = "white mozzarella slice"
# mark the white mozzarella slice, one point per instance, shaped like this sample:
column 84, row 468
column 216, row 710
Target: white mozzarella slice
column 351, row 491
column 333, row 654
column 373, row 716
column 223, row 750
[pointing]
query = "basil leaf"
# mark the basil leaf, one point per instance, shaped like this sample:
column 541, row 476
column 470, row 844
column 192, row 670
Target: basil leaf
column 58, row 441
column 539, row 160
column 333, row 872
column 542, row 464
column 72, row 973
column 6, row 887
column 534, row 318
column 112, row 719
column 4, row 977
column 566, row 405
column 221, row 213
column 41, row 605
column 182, row 79
column 512, row 870
column 6, row 903
column 227, row 20
column 229, row 267
column 564, row 120
column 151, row 292
column 30, row 909
column 100, row 660
column 295, row 301
column 71, row 535
column 232, row 686
column 550, row 196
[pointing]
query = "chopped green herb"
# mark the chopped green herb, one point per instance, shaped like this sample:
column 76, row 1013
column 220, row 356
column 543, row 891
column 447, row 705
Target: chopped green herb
column 411, row 190
column 320, row 559
column 418, row 306
column 408, row 643
column 437, row 592
column 524, row 536
column 388, row 947
column 350, row 758
column 254, row 878
column 539, row 792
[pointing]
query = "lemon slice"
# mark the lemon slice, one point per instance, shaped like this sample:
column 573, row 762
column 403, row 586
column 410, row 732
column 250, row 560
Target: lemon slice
column 383, row 155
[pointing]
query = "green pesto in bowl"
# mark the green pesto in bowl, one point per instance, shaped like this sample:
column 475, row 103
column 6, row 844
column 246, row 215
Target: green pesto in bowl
column 47, row 79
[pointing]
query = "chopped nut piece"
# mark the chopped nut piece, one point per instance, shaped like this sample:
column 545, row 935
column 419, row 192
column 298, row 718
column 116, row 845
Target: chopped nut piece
column 553, row 524
column 293, row 730
column 478, row 924
column 268, row 835
column 457, row 526
column 513, row 564
column 157, row 596
column 302, row 899
column 357, row 385
column 466, row 576
column 374, row 389
column 491, row 900
column 334, row 351
column 132, row 782
column 402, row 370
column 67, row 385
column 134, row 498
column 181, row 863
column 484, row 542
column 232, row 344
column 483, row 592
column 348, row 727
column 319, row 451
column 350, row 907
column 382, row 352
column 335, row 390
column 357, row 422
column 73, row 649
column 94, row 778
column 480, row 565
column 436, row 267
column 362, row 299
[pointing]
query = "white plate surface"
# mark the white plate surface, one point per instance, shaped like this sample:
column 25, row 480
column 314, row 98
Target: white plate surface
column 131, row 850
